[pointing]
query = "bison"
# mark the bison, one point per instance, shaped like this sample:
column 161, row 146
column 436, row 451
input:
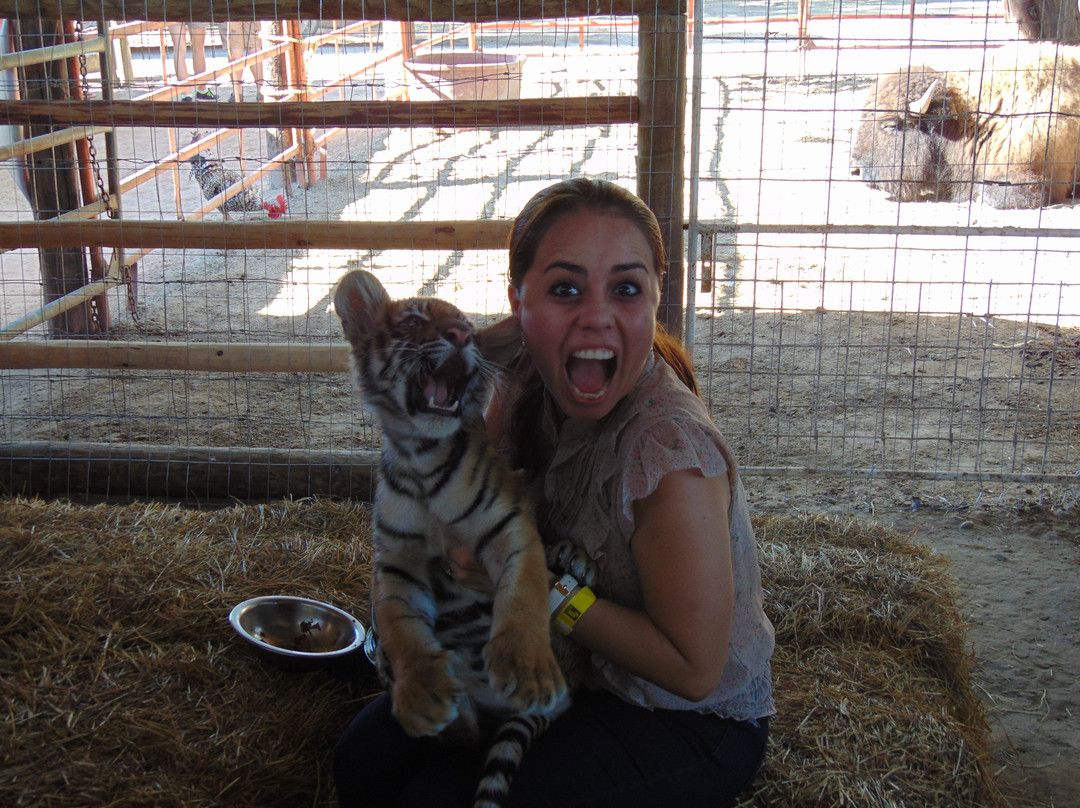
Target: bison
column 1007, row 134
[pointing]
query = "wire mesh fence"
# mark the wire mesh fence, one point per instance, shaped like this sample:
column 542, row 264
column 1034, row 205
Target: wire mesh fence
column 851, row 346
column 856, row 346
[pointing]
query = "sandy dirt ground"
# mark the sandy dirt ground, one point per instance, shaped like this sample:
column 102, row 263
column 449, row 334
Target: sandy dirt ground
column 813, row 349
column 1018, row 572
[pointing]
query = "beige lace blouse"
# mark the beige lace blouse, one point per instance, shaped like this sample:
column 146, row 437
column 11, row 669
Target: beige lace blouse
column 599, row 469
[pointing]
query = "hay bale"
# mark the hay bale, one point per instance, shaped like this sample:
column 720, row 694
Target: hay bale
column 125, row 685
column 871, row 673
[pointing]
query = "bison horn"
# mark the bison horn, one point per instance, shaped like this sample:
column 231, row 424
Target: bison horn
column 919, row 107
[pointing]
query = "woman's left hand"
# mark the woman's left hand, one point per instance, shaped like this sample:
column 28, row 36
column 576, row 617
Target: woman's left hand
column 466, row 569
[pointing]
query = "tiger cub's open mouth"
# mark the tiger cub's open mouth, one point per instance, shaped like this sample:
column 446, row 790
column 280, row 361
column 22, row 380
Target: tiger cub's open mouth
column 442, row 391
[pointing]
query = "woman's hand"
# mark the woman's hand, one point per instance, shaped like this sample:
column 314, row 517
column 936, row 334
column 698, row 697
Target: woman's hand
column 467, row 570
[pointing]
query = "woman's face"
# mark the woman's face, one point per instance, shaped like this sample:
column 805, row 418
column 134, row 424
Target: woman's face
column 588, row 310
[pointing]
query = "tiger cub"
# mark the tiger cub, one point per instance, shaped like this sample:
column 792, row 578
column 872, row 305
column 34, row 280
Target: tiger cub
column 460, row 664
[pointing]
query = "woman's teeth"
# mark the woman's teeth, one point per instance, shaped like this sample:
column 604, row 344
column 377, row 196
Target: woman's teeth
column 594, row 353
column 582, row 394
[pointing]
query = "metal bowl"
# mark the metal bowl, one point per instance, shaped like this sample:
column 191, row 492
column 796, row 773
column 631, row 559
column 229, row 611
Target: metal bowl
column 297, row 633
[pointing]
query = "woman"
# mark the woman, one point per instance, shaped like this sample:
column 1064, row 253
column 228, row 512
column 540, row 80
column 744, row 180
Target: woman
column 601, row 413
column 179, row 32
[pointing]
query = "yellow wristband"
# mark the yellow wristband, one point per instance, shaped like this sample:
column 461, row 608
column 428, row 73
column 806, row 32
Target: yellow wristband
column 574, row 608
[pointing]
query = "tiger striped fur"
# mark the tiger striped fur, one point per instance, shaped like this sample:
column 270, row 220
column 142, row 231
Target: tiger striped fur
column 463, row 665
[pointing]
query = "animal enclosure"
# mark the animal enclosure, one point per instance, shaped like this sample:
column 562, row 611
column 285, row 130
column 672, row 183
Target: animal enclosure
column 853, row 347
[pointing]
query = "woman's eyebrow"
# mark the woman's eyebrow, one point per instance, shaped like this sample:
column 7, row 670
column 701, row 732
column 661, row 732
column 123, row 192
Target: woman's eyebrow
column 567, row 265
column 576, row 268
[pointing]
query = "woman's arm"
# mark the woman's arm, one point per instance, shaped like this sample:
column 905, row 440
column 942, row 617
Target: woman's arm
column 682, row 550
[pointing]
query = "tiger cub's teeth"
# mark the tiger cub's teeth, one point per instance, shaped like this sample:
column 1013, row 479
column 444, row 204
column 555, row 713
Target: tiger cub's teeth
column 452, row 407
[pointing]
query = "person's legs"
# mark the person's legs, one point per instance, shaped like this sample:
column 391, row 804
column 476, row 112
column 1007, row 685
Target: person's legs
column 178, row 33
column 376, row 765
column 198, row 57
column 602, row 752
column 243, row 38
column 605, row 752
column 236, row 46
column 236, row 41
column 198, row 46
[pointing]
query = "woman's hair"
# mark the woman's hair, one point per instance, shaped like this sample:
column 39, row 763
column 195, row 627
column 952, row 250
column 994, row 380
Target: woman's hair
column 531, row 225
column 574, row 196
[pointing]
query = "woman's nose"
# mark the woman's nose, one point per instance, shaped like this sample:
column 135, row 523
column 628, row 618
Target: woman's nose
column 596, row 312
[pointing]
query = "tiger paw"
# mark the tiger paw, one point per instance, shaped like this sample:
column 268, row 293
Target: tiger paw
column 426, row 695
column 524, row 672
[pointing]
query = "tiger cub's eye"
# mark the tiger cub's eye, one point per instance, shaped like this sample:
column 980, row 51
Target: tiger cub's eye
column 411, row 322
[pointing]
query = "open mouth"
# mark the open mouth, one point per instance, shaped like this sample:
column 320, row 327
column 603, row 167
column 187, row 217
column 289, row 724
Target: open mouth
column 590, row 371
column 442, row 391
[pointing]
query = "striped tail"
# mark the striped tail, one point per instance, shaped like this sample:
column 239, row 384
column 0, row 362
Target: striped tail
column 508, row 748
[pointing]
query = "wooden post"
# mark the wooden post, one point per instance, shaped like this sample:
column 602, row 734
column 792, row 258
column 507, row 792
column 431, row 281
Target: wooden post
column 279, row 138
column 128, row 68
column 661, row 150
column 298, row 74
column 408, row 51
column 54, row 179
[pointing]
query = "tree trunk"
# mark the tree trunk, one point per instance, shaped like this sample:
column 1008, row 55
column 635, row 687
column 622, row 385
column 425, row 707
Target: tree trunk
column 1051, row 20
column 54, row 178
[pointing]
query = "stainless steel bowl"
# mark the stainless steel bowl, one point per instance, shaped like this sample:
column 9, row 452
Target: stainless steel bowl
column 297, row 633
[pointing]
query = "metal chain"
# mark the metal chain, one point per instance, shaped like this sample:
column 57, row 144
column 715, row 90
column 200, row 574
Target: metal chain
column 103, row 193
column 127, row 272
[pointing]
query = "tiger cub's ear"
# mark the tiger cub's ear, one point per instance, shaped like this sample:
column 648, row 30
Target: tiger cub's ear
column 500, row 342
column 359, row 301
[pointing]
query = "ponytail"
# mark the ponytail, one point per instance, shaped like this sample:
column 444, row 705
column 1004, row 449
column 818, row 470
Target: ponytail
column 672, row 351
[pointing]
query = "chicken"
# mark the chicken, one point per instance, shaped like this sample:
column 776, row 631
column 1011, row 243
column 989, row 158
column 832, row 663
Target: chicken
column 276, row 209
column 214, row 178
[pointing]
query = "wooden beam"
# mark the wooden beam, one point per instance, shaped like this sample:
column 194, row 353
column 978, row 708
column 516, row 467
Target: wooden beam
column 407, row 10
column 60, row 137
column 40, row 468
column 281, row 234
column 52, row 53
column 321, row 114
column 217, row 357
column 57, row 307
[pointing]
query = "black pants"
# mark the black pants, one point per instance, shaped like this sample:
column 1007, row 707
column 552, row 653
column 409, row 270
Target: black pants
column 601, row 752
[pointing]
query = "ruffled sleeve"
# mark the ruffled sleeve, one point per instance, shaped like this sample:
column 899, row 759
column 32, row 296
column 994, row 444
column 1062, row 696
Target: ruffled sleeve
column 661, row 445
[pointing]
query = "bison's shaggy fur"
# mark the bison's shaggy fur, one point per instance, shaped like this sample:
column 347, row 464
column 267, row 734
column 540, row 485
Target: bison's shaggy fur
column 1007, row 134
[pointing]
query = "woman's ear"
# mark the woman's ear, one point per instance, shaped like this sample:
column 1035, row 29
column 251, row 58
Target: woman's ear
column 515, row 298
